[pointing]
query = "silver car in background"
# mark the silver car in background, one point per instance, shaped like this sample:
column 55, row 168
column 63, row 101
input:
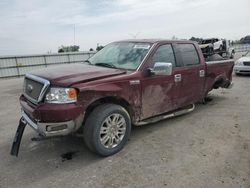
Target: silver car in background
column 242, row 65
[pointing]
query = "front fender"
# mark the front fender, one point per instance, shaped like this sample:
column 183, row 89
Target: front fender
column 120, row 91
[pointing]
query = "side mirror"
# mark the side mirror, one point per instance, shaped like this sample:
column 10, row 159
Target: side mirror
column 162, row 68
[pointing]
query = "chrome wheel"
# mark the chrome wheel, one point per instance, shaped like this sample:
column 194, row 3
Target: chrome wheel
column 112, row 130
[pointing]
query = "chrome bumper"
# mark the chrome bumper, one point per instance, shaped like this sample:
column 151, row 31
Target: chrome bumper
column 242, row 69
column 50, row 129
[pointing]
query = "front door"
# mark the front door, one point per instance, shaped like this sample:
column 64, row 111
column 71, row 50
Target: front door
column 159, row 91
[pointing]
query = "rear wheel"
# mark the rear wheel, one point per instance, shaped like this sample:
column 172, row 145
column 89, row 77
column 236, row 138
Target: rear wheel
column 107, row 129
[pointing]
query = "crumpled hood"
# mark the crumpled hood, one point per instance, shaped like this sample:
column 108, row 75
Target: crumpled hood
column 66, row 75
column 204, row 45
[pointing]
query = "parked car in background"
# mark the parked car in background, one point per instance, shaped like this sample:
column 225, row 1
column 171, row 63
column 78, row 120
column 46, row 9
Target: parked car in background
column 242, row 65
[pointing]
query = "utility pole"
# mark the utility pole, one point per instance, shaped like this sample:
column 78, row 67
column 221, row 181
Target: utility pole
column 74, row 34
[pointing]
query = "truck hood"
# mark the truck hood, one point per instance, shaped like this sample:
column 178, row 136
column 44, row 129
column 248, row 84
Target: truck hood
column 67, row 75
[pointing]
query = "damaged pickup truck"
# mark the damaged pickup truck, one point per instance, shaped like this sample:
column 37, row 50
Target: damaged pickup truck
column 132, row 82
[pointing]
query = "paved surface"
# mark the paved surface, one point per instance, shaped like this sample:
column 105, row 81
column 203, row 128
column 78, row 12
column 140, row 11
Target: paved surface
column 208, row 148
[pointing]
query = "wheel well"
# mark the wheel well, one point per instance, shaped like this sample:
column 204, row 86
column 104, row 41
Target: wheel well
column 218, row 83
column 113, row 100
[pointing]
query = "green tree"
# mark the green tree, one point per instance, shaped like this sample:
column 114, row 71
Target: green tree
column 196, row 39
column 98, row 48
column 72, row 48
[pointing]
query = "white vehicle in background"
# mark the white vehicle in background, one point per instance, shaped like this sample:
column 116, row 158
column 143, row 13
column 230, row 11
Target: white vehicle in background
column 211, row 45
column 218, row 46
column 242, row 65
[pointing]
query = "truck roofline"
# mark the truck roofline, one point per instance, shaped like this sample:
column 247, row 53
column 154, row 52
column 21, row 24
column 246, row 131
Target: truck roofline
column 156, row 41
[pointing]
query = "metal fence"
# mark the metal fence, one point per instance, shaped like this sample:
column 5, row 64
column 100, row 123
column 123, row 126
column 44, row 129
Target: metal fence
column 11, row 66
column 241, row 47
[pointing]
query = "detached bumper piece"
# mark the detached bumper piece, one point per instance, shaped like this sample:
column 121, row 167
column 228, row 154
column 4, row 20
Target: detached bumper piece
column 18, row 137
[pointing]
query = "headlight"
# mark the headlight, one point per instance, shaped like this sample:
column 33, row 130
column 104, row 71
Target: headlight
column 238, row 62
column 61, row 95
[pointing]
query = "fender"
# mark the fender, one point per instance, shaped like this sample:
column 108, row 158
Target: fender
column 122, row 93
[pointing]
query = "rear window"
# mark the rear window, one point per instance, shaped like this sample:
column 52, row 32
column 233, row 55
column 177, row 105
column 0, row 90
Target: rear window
column 188, row 54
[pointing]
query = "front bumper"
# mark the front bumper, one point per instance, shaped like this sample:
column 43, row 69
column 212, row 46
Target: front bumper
column 52, row 129
column 242, row 69
column 52, row 119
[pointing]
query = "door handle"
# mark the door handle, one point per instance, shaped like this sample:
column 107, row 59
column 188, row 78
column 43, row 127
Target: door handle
column 177, row 77
column 202, row 73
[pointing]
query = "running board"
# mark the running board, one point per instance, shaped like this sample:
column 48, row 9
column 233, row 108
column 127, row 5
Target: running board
column 178, row 112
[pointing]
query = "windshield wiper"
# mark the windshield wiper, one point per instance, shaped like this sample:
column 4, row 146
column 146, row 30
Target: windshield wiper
column 106, row 65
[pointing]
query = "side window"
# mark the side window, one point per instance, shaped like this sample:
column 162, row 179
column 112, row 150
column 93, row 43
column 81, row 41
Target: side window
column 164, row 54
column 188, row 54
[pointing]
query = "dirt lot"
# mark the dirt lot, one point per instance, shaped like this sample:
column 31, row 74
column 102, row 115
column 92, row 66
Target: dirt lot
column 208, row 148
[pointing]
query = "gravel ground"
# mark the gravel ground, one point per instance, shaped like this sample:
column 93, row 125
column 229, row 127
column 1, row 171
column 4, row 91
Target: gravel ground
column 209, row 147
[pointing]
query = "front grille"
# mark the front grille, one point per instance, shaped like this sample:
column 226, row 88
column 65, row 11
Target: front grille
column 246, row 63
column 34, row 88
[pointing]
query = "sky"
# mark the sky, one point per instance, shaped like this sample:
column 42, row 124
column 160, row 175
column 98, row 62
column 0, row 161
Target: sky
column 41, row 26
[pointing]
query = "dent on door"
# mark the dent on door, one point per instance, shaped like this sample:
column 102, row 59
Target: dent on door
column 155, row 99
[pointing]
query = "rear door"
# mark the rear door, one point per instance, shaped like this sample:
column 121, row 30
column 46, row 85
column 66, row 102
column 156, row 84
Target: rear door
column 191, row 74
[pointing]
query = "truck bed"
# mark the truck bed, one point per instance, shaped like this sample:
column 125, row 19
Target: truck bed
column 218, row 74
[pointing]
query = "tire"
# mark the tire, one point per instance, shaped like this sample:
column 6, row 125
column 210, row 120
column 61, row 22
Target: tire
column 220, row 49
column 115, row 123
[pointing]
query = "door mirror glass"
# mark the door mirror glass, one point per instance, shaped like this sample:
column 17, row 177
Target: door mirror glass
column 162, row 68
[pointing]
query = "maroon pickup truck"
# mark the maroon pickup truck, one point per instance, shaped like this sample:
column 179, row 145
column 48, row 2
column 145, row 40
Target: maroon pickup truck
column 132, row 82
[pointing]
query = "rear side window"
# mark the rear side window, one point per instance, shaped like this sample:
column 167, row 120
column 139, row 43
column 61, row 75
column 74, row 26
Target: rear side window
column 164, row 54
column 188, row 54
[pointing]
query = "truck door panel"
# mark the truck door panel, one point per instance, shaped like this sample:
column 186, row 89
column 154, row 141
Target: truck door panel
column 192, row 74
column 159, row 91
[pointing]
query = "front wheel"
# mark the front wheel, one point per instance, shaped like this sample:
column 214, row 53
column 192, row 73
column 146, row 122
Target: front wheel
column 107, row 129
column 220, row 49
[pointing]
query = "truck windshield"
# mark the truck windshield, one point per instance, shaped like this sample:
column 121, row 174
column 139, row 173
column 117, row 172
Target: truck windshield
column 124, row 55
